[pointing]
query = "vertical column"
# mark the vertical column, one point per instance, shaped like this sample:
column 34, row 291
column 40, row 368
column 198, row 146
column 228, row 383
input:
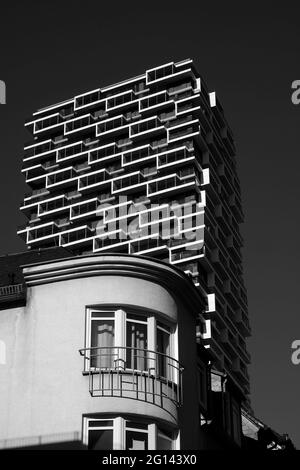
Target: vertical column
column 120, row 339
column 119, row 434
column 152, row 436
column 152, row 345
column 174, row 352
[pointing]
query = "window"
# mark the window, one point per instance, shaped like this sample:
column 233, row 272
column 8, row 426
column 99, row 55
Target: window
column 165, row 440
column 119, row 433
column 128, row 340
column 202, row 385
column 100, row 434
column 102, row 335
column 163, row 347
column 136, row 436
column 102, row 331
column 136, row 343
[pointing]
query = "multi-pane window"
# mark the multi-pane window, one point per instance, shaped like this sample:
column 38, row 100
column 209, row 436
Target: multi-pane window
column 163, row 347
column 165, row 440
column 136, row 342
column 119, row 433
column 128, row 340
column 101, row 333
column 136, row 436
column 100, row 434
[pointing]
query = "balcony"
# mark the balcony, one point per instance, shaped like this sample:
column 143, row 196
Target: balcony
column 12, row 293
column 151, row 243
column 134, row 373
column 120, row 100
column 35, row 150
column 81, row 234
column 171, row 157
column 42, row 232
column 113, row 126
column 154, row 101
column 87, row 99
column 103, row 153
column 36, row 193
column 43, row 125
column 92, row 179
column 78, row 124
column 70, row 151
column 85, row 208
column 188, row 251
column 186, row 129
column 50, row 206
column 128, row 183
column 137, row 155
column 169, row 183
column 160, row 73
column 148, row 126
column 63, row 177
column 183, row 87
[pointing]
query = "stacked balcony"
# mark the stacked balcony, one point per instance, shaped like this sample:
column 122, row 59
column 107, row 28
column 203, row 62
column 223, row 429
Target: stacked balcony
column 158, row 139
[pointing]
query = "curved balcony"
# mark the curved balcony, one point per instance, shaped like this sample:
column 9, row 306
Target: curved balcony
column 139, row 374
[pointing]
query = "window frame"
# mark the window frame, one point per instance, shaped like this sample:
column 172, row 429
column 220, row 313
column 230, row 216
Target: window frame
column 121, row 424
column 121, row 315
column 88, row 331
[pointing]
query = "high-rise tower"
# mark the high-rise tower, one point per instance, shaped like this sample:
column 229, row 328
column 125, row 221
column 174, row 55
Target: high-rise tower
column 147, row 167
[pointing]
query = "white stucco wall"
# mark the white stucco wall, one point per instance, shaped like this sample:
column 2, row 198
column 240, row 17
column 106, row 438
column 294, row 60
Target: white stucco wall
column 42, row 390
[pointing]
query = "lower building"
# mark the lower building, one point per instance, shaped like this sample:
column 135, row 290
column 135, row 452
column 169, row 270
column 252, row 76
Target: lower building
column 100, row 352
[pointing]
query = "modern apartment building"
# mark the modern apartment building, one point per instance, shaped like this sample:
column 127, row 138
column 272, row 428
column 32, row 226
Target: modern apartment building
column 147, row 167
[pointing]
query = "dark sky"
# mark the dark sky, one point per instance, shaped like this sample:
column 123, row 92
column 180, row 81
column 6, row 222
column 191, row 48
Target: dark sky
column 250, row 55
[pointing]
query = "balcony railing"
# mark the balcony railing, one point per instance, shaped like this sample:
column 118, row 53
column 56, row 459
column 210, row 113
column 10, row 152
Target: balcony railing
column 135, row 373
column 12, row 292
column 42, row 440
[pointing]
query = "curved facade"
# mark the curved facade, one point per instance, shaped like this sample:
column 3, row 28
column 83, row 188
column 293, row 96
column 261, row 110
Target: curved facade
column 104, row 347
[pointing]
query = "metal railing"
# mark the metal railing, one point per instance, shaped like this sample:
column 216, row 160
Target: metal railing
column 136, row 373
column 34, row 441
column 11, row 292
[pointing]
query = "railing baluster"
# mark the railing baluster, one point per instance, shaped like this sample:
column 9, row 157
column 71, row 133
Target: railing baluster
column 163, row 379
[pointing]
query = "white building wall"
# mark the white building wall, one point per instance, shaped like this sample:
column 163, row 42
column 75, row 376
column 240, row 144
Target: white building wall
column 42, row 390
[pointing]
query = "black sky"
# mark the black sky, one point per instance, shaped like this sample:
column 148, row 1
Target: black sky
column 249, row 54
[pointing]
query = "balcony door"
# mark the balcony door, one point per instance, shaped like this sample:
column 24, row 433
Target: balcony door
column 102, row 340
column 163, row 338
column 128, row 340
column 136, row 343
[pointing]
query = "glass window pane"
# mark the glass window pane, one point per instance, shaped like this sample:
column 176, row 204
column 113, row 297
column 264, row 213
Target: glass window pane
column 101, row 439
column 136, row 425
column 136, row 341
column 102, row 338
column 136, row 440
column 163, row 346
column 102, row 314
column 139, row 318
column 98, row 423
